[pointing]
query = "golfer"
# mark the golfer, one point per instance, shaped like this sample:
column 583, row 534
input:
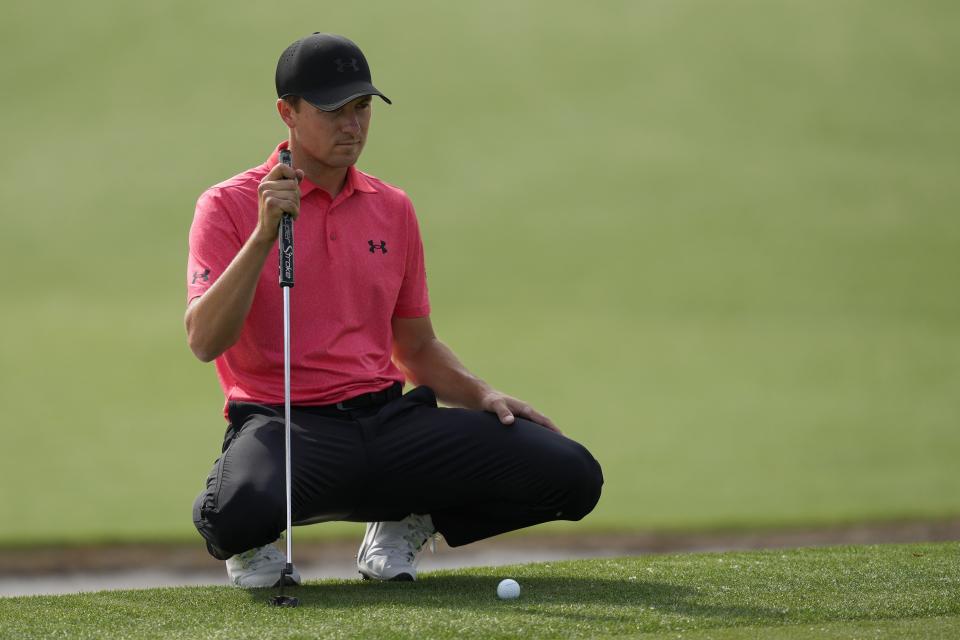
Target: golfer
column 362, row 451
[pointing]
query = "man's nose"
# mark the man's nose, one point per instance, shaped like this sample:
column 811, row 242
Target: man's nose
column 351, row 123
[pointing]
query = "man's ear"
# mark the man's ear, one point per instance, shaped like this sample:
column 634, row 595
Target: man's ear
column 287, row 114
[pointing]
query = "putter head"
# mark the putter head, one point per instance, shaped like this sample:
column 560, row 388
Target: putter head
column 285, row 601
column 286, row 579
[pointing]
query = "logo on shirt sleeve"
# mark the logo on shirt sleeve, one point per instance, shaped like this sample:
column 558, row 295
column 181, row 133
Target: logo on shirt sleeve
column 374, row 247
column 205, row 276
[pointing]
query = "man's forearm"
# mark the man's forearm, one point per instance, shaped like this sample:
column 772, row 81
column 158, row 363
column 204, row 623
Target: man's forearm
column 437, row 367
column 215, row 319
column 425, row 360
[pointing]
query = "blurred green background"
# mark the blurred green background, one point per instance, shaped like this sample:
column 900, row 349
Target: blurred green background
column 718, row 242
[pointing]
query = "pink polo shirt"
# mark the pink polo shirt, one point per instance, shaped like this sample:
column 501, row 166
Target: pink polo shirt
column 358, row 264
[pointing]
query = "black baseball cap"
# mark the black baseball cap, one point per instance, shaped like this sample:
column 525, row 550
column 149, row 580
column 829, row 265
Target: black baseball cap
column 326, row 70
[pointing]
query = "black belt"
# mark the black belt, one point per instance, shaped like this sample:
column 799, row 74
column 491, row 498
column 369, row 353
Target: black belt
column 364, row 400
column 240, row 412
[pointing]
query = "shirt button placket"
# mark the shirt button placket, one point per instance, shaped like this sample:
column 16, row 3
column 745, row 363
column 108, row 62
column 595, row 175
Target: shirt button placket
column 331, row 229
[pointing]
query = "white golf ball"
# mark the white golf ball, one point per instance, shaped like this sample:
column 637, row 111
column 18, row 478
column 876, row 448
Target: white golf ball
column 508, row 589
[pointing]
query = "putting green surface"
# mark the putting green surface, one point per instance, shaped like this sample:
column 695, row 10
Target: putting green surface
column 716, row 242
column 906, row 591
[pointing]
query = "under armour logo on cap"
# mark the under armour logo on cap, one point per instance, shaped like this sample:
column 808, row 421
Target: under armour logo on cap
column 374, row 247
column 343, row 66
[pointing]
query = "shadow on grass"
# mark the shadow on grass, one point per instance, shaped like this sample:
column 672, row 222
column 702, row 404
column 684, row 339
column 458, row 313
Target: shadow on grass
column 540, row 596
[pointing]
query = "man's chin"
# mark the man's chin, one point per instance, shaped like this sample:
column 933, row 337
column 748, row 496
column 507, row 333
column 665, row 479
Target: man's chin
column 339, row 162
column 345, row 158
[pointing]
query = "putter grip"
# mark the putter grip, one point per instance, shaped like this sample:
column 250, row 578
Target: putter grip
column 286, row 236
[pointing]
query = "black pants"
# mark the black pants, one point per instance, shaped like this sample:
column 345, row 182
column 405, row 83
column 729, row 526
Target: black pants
column 475, row 477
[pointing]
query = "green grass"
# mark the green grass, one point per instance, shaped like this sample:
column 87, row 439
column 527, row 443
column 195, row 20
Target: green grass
column 716, row 241
column 904, row 591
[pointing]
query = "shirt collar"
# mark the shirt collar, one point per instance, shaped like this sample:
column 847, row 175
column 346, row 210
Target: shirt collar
column 356, row 179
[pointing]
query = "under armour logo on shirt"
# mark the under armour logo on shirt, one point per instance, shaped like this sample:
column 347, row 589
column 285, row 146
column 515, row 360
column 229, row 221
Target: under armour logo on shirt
column 205, row 276
column 373, row 247
column 344, row 65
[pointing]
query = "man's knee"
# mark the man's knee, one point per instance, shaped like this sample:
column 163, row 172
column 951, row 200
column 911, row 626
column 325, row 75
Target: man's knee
column 583, row 481
column 251, row 518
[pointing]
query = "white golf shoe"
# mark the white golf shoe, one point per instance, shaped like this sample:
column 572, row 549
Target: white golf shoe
column 389, row 550
column 259, row 567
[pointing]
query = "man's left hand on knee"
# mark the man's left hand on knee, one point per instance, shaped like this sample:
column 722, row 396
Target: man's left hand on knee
column 507, row 408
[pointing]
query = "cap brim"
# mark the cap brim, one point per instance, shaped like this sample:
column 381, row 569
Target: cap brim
column 334, row 99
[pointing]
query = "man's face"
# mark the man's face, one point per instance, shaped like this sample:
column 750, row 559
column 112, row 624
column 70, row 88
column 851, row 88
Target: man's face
column 332, row 138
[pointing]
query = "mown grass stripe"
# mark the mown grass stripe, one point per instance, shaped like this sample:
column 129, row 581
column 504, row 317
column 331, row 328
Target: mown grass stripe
column 892, row 588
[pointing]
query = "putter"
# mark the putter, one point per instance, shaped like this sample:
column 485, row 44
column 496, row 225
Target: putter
column 286, row 281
